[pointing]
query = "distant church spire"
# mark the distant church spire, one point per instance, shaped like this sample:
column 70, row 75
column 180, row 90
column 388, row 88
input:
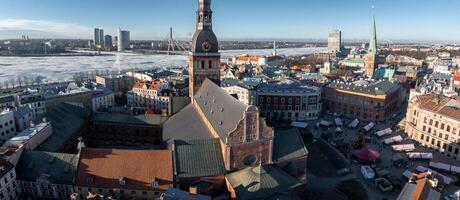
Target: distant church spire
column 373, row 40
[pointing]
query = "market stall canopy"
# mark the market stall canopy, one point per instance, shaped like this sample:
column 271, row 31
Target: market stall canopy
column 367, row 154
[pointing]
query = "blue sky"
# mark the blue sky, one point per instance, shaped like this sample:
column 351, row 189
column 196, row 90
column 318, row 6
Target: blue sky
column 235, row 19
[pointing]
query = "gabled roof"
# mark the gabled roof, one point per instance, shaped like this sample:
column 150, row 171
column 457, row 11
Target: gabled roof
column 223, row 111
column 288, row 145
column 260, row 182
column 185, row 125
column 129, row 119
column 198, row 158
column 103, row 168
column 60, row 166
column 21, row 111
column 66, row 119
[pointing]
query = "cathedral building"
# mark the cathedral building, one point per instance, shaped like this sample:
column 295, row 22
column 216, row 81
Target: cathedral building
column 216, row 133
column 245, row 138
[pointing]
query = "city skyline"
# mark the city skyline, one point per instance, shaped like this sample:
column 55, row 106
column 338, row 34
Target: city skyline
column 294, row 20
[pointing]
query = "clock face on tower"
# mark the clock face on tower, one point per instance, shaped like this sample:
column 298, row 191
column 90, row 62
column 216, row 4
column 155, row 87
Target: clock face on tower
column 206, row 46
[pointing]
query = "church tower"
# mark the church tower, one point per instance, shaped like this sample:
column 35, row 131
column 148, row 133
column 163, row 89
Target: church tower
column 204, row 58
column 372, row 55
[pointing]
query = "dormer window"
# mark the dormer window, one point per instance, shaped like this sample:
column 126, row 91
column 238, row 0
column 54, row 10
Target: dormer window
column 155, row 182
column 122, row 181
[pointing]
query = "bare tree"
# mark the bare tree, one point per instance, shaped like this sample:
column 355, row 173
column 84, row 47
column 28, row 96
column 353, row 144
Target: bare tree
column 38, row 80
column 13, row 82
column 6, row 83
column 20, row 81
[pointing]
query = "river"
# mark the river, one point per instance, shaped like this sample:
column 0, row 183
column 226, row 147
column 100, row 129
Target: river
column 62, row 68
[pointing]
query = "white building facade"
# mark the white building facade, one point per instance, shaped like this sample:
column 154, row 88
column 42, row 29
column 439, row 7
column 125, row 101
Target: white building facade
column 7, row 126
column 8, row 185
column 102, row 98
column 150, row 95
column 433, row 121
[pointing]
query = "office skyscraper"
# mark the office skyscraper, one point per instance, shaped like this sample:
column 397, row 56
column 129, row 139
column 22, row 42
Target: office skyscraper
column 123, row 40
column 108, row 41
column 101, row 38
column 334, row 41
column 96, row 37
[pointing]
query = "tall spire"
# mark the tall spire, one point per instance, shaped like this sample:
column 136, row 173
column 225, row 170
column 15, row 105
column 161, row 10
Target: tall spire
column 204, row 15
column 373, row 40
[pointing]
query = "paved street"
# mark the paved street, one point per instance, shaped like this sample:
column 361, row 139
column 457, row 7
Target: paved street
column 386, row 154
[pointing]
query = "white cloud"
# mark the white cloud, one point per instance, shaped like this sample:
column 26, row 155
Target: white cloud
column 61, row 29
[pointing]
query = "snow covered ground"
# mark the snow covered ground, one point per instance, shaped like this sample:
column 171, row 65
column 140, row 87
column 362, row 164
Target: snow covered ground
column 63, row 68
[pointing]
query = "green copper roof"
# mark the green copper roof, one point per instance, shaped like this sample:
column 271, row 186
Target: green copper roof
column 288, row 145
column 60, row 167
column 198, row 158
column 373, row 40
column 261, row 182
column 66, row 119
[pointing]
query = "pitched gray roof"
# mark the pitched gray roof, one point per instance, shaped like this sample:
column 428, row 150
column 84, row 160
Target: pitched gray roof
column 61, row 167
column 198, row 158
column 223, row 111
column 129, row 119
column 185, row 125
column 22, row 111
column 66, row 119
column 261, row 182
column 288, row 145
column 373, row 88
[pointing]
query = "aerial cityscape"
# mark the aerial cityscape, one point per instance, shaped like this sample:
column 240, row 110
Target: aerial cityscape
column 227, row 100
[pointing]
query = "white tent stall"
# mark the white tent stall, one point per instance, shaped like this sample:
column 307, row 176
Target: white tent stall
column 297, row 124
column 392, row 140
column 441, row 166
column 407, row 174
column 354, row 123
column 325, row 123
column 383, row 132
column 420, row 155
column 403, row 147
column 338, row 121
column 455, row 169
column 369, row 126
column 367, row 172
column 421, row 169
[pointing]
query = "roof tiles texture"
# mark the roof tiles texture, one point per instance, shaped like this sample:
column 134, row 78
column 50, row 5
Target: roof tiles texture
column 443, row 105
column 103, row 168
column 288, row 145
column 261, row 182
column 198, row 158
column 223, row 111
column 61, row 167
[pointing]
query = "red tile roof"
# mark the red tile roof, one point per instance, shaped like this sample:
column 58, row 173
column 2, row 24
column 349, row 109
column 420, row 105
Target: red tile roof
column 103, row 168
column 247, row 59
column 439, row 104
column 151, row 85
